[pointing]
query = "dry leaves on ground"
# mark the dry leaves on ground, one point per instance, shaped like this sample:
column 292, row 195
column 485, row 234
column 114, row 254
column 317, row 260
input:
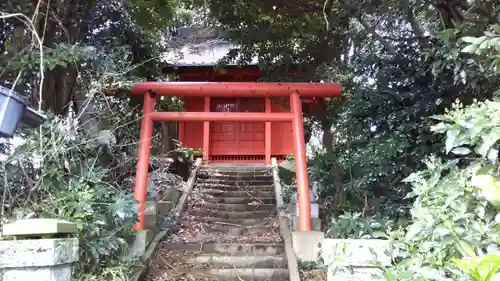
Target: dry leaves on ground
column 169, row 266
column 313, row 275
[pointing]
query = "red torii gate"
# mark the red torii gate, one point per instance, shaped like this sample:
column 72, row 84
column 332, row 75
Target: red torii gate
column 230, row 89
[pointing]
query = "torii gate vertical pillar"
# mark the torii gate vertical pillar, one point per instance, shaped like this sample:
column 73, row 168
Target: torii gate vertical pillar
column 267, row 137
column 300, row 163
column 206, row 130
column 141, row 180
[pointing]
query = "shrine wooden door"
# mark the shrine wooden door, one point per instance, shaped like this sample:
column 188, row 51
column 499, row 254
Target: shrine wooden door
column 237, row 138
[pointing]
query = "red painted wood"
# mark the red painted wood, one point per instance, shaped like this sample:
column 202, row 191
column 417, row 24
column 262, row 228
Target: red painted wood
column 238, row 137
column 145, row 140
column 245, row 134
column 220, row 116
column 224, row 134
column 281, row 143
column 193, row 130
column 268, row 134
column 206, row 128
column 300, row 164
column 236, row 89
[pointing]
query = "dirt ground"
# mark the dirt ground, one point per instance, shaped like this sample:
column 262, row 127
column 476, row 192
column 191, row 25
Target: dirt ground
column 313, row 275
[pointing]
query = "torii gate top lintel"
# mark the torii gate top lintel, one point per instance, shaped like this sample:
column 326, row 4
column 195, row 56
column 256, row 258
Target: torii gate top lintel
column 230, row 89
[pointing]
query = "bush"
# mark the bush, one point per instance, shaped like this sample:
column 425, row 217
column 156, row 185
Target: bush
column 64, row 175
column 355, row 225
column 455, row 212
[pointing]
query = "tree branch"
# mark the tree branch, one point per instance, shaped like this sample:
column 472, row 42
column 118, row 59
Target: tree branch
column 327, row 9
column 388, row 47
column 415, row 25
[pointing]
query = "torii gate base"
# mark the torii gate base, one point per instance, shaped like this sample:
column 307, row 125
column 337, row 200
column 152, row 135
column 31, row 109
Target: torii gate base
column 230, row 89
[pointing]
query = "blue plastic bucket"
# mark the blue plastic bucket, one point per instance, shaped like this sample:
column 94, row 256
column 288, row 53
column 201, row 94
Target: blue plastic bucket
column 12, row 107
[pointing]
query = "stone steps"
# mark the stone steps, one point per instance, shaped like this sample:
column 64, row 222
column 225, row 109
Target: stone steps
column 218, row 261
column 232, row 274
column 234, row 176
column 233, row 215
column 239, row 193
column 250, row 207
column 236, row 182
column 241, row 200
column 206, row 172
column 230, row 249
column 238, row 230
column 240, row 222
column 239, row 207
column 235, row 186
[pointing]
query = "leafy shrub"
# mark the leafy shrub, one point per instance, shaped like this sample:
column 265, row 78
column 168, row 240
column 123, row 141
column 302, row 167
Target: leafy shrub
column 62, row 175
column 454, row 213
column 355, row 225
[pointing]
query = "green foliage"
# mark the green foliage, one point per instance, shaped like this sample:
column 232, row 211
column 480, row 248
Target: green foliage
column 454, row 214
column 65, row 179
column 475, row 125
column 89, row 48
column 119, row 272
column 153, row 15
column 356, row 226
column 481, row 268
column 399, row 62
column 306, row 265
column 487, row 46
column 188, row 151
column 60, row 55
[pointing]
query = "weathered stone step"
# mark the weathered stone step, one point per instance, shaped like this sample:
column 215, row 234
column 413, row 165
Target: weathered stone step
column 235, row 167
column 235, row 231
column 237, row 182
column 238, row 207
column 232, row 215
column 236, row 262
column 241, row 222
column 235, row 187
column 241, row 200
column 232, row 249
column 239, row 193
column 232, row 274
column 235, row 172
column 240, row 177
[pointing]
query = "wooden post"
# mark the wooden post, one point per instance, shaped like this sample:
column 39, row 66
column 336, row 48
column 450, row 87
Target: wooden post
column 268, row 133
column 206, row 131
column 300, row 164
column 141, row 178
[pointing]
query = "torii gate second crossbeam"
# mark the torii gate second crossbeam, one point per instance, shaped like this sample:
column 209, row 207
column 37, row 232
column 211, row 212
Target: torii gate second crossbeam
column 230, row 89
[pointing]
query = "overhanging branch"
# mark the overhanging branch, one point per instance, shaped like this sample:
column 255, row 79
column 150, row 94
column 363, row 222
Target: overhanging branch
column 388, row 47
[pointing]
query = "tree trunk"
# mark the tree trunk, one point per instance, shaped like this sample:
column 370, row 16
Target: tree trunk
column 168, row 131
column 86, row 111
column 327, row 136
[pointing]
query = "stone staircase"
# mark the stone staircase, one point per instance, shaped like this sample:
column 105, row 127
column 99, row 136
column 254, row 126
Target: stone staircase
column 229, row 230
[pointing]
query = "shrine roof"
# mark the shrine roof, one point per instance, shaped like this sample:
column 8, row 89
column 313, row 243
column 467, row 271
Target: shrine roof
column 198, row 46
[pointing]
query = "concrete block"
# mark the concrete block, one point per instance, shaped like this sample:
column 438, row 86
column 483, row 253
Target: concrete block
column 150, row 215
column 293, row 209
column 37, row 259
column 164, row 207
column 38, row 227
column 141, row 242
column 306, row 244
column 171, row 194
column 315, row 224
column 354, row 259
